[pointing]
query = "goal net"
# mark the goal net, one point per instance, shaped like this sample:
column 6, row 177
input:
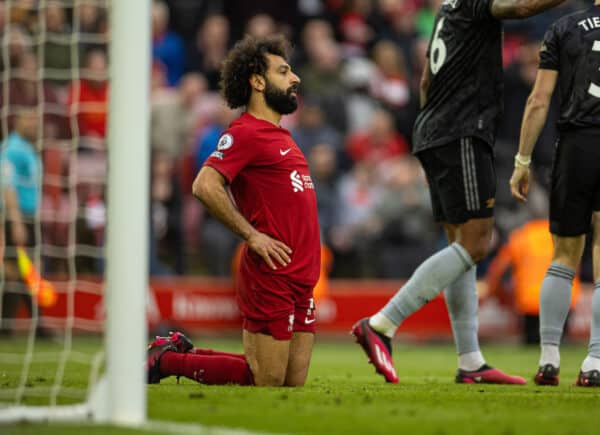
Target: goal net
column 74, row 177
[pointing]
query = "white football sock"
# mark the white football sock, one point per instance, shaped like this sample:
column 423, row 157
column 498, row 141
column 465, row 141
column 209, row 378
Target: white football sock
column 550, row 355
column 590, row 363
column 470, row 361
column 382, row 324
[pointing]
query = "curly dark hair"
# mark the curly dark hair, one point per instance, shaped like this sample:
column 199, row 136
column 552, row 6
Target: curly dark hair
column 247, row 57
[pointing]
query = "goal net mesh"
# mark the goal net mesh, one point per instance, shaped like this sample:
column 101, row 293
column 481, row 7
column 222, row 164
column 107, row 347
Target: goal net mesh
column 53, row 114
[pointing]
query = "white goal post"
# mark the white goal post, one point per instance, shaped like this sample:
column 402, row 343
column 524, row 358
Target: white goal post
column 120, row 395
column 128, row 210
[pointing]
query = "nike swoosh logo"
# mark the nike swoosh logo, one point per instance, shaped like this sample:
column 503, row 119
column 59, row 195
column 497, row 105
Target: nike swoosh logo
column 309, row 321
column 283, row 153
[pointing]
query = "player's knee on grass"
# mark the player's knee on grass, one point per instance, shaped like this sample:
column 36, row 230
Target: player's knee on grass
column 297, row 371
column 295, row 380
column 299, row 359
column 268, row 379
column 267, row 357
column 267, row 372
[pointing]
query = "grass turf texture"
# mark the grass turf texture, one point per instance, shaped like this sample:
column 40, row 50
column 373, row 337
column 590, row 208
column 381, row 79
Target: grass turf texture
column 343, row 395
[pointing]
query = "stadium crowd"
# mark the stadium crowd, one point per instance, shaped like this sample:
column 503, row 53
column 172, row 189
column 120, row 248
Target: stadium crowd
column 360, row 62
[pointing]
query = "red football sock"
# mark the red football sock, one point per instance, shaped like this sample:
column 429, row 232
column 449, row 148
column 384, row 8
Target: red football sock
column 199, row 351
column 207, row 369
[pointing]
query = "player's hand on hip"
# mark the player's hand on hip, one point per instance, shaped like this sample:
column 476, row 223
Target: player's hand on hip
column 519, row 183
column 271, row 250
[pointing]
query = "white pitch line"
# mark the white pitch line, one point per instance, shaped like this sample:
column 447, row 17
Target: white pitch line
column 193, row 429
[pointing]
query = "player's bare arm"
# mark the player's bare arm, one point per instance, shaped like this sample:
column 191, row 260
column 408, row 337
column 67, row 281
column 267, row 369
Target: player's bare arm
column 209, row 187
column 502, row 9
column 534, row 119
column 424, row 86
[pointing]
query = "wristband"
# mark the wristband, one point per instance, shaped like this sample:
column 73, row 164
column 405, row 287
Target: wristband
column 522, row 161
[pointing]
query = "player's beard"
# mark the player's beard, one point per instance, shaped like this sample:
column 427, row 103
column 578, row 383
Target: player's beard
column 281, row 101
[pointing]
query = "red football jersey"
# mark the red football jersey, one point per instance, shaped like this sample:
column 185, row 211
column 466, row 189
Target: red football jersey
column 271, row 185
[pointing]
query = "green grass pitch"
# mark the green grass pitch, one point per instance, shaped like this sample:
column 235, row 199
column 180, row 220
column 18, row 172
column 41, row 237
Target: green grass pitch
column 344, row 396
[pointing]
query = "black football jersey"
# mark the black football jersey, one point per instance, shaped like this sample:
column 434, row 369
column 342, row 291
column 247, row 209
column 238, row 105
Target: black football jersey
column 465, row 63
column 572, row 47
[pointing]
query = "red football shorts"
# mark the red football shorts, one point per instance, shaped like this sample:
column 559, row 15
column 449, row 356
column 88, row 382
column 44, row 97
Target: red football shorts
column 272, row 305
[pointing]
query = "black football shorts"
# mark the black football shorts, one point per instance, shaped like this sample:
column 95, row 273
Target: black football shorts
column 575, row 191
column 462, row 180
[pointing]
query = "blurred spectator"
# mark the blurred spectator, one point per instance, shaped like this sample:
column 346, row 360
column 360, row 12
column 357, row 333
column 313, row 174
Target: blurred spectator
column 217, row 243
column 92, row 24
column 95, row 214
column 166, row 242
column 396, row 22
column 173, row 119
column 209, row 136
column 322, row 73
column 24, row 14
column 535, row 27
column 88, row 98
column 174, row 122
column 379, row 142
column 323, row 169
column 212, row 117
column 209, row 49
column 284, row 13
column 354, row 28
column 408, row 231
column 426, row 17
column 311, row 8
column 21, row 170
column 322, row 76
column 527, row 255
column 92, row 17
column 57, row 46
column 418, row 54
column 312, row 129
column 90, row 169
column 187, row 16
column 158, row 80
column 355, row 229
column 21, row 173
column 23, row 91
column 2, row 18
column 167, row 46
column 357, row 75
column 18, row 43
column 88, row 107
column 392, row 87
column 390, row 84
column 261, row 25
column 519, row 78
column 314, row 31
column 26, row 91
